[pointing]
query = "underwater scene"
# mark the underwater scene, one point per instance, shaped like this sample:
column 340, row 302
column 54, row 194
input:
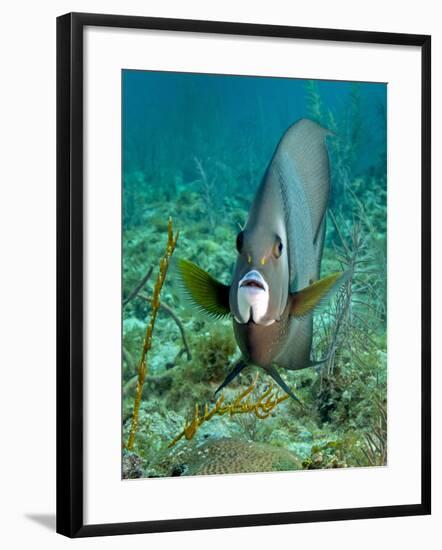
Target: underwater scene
column 254, row 274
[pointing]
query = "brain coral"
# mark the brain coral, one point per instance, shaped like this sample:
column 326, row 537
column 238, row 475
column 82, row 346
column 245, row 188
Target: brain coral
column 231, row 456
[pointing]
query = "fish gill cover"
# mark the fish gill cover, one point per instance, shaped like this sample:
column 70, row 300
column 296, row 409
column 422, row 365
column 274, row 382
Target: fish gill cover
column 195, row 149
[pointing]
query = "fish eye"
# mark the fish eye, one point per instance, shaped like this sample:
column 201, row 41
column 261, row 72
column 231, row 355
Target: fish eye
column 240, row 241
column 278, row 248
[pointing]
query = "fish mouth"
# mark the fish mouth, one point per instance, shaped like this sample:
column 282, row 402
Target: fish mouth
column 252, row 298
column 253, row 284
column 254, row 281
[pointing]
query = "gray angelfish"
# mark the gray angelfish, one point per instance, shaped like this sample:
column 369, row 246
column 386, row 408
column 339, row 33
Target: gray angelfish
column 275, row 286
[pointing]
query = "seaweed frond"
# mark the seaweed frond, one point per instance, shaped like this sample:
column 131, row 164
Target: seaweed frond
column 261, row 408
column 375, row 448
column 155, row 304
column 208, row 188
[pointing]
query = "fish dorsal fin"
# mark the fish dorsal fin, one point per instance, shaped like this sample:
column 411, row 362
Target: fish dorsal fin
column 312, row 297
column 300, row 170
column 304, row 144
column 205, row 293
column 298, row 222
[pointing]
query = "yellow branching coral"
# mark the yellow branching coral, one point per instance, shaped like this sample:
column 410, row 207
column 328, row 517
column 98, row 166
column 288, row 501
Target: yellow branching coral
column 155, row 304
column 243, row 403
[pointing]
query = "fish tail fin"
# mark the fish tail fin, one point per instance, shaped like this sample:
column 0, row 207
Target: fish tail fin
column 232, row 374
column 277, row 378
column 319, row 362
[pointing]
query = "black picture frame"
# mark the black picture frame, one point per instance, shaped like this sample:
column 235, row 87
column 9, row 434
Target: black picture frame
column 70, row 273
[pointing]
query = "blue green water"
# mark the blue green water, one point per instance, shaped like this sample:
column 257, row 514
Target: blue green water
column 195, row 148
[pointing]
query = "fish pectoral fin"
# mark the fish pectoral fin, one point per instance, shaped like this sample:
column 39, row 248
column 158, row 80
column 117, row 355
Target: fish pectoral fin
column 232, row 374
column 307, row 300
column 277, row 378
column 205, row 293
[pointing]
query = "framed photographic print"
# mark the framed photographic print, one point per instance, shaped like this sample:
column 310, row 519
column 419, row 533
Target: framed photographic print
column 243, row 274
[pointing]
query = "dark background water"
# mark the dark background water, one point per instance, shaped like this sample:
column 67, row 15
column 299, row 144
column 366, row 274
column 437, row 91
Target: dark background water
column 233, row 123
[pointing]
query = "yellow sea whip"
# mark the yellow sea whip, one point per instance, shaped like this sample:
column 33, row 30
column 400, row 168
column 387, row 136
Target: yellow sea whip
column 261, row 408
column 155, row 304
